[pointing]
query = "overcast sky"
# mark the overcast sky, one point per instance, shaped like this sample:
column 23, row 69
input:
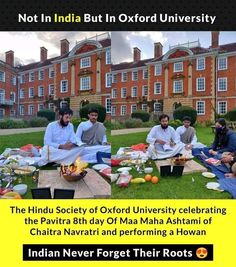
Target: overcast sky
column 26, row 45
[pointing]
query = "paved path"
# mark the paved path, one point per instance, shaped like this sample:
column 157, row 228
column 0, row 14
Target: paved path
column 22, row 130
column 128, row 131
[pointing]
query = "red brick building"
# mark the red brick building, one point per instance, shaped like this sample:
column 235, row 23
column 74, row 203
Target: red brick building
column 74, row 78
column 188, row 74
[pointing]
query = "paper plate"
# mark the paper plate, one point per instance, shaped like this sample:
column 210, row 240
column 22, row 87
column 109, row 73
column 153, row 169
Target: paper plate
column 99, row 167
column 209, row 175
column 124, row 169
column 114, row 177
column 214, row 186
column 25, row 170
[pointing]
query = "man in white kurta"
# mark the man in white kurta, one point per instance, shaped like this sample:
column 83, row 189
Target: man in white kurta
column 91, row 135
column 60, row 141
column 163, row 140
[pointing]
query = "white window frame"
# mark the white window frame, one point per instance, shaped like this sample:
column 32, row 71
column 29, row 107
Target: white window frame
column 86, row 80
column 144, row 107
column 41, row 91
column 31, row 76
column 198, row 67
column 154, row 107
column 113, row 93
column 198, row 83
column 14, row 98
column 134, row 75
column 124, row 75
column 108, row 79
column 29, row 110
column 21, row 110
column 143, row 90
column 50, row 89
column 113, row 111
column 63, row 102
column 51, row 72
column 41, row 104
column 218, row 107
column 218, row 84
column 133, row 108
column 108, row 56
column 3, row 95
column 3, row 112
column 64, row 67
column 51, row 105
column 22, row 93
column 114, row 78
column 108, row 105
column 145, row 74
column 85, row 62
column 41, row 75
column 122, row 95
column 61, row 86
column 204, row 107
column 13, row 80
column 30, row 90
column 123, row 110
column 133, row 89
column 219, row 65
column 2, row 76
column 155, row 88
column 22, row 78
column 158, row 69
column 174, row 86
column 178, row 66
column 12, row 113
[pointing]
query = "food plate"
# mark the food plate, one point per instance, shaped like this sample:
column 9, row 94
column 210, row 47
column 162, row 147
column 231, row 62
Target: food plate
column 214, row 186
column 114, row 177
column 99, row 167
column 124, row 169
column 25, row 170
column 209, row 175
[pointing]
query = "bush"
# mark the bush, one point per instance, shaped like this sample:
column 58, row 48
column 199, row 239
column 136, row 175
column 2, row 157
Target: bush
column 76, row 122
column 12, row 124
column 175, row 123
column 148, row 124
column 101, row 111
column 46, row 113
column 108, row 124
column 231, row 115
column 133, row 123
column 183, row 111
column 116, row 125
column 38, row 122
column 140, row 114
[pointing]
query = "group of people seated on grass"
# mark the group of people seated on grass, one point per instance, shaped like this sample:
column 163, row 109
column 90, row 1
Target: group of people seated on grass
column 165, row 142
column 63, row 145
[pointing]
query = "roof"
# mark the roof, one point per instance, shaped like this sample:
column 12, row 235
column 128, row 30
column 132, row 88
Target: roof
column 131, row 65
column 228, row 47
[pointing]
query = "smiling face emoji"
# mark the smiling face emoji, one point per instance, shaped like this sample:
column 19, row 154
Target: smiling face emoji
column 201, row 253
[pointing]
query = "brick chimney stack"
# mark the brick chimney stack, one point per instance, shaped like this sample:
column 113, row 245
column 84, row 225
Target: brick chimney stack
column 158, row 49
column 215, row 39
column 9, row 57
column 136, row 54
column 43, row 54
column 64, row 46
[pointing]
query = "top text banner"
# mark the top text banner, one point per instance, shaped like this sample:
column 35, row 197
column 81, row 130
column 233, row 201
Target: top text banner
column 116, row 15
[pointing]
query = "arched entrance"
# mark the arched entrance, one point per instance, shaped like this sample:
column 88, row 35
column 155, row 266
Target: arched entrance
column 84, row 102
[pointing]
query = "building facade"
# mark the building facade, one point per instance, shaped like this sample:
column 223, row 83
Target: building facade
column 74, row 78
column 188, row 74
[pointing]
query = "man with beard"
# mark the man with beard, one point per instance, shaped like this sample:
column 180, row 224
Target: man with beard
column 163, row 140
column 91, row 135
column 60, row 141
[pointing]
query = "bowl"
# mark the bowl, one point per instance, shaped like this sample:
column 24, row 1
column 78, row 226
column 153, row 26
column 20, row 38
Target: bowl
column 148, row 170
column 71, row 176
column 20, row 189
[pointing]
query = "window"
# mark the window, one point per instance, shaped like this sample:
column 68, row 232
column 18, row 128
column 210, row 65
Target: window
column 157, row 88
column 85, row 83
column 222, row 84
column 51, row 106
column 133, row 108
column 114, row 78
column 108, row 105
column 2, row 76
column 85, row 62
column 222, row 63
column 114, row 93
column 113, row 111
column 108, row 56
column 64, row 67
column 123, row 110
column 22, row 78
column 63, row 104
column 31, row 92
column 123, row 92
column 13, row 80
column 51, row 89
column 145, row 74
column 31, row 76
column 222, row 107
column 40, row 107
column 13, row 97
column 201, row 63
column 22, row 110
column 31, row 109
column 200, row 84
column 22, row 93
column 51, row 72
column 157, row 107
column 108, row 79
column 145, row 107
column 134, row 75
column 158, row 69
column 178, row 87
column 200, row 107
column 40, row 90
column 124, row 76
column 145, row 90
column 2, row 96
column 134, row 91
column 12, row 113
column 41, row 75
column 64, row 86
column 2, row 112
column 178, row 66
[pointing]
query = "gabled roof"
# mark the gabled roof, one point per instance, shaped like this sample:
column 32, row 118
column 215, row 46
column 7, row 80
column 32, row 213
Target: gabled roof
column 130, row 65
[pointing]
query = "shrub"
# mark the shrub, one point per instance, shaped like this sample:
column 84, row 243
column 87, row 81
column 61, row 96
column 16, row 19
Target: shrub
column 140, row 114
column 133, row 123
column 38, row 122
column 148, row 124
column 101, row 111
column 183, row 111
column 175, row 123
column 46, row 113
column 116, row 125
column 108, row 124
column 76, row 122
column 231, row 115
column 12, row 124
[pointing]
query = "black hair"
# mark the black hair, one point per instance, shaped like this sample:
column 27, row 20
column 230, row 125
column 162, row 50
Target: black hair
column 221, row 121
column 163, row 116
column 186, row 118
column 65, row 111
column 93, row 110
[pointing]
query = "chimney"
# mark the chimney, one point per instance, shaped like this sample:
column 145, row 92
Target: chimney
column 9, row 55
column 64, row 47
column 215, row 39
column 43, row 54
column 158, row 47
column 137, row 54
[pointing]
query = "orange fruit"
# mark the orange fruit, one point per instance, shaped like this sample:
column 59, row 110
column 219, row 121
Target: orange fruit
column 155, row 179
column 148, row 177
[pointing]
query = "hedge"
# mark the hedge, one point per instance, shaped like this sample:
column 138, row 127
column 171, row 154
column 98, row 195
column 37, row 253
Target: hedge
column 183, row 111
column 101, row 111
column 46, row 113
column 140, row 114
